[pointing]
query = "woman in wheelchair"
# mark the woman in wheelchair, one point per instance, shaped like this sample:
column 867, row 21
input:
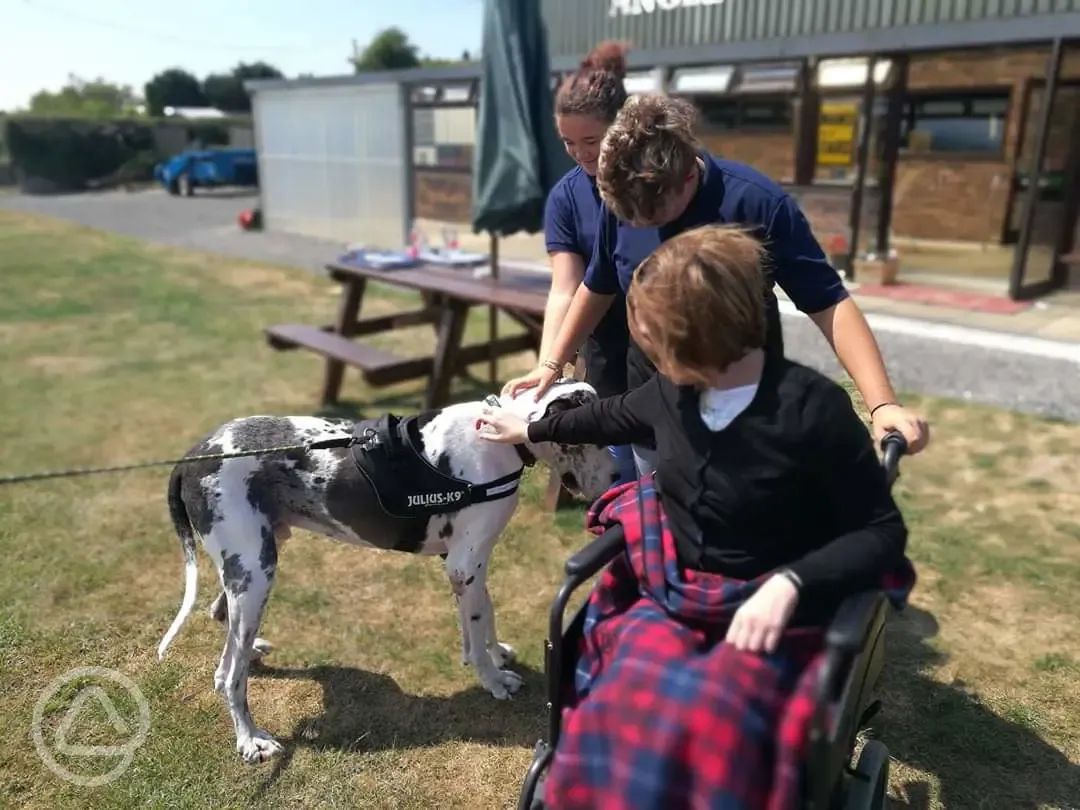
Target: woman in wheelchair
column 695, row 681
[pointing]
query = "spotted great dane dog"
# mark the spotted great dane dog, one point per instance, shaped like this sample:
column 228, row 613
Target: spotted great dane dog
column 426, row 485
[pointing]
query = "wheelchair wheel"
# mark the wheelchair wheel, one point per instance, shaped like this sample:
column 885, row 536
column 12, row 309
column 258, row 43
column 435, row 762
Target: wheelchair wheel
column 870, row 780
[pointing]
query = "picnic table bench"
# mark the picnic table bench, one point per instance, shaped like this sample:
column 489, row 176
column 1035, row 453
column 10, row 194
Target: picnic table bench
column 448, row 295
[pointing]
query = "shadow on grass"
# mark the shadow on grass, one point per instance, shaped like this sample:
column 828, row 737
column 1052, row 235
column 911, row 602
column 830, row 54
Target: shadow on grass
column 368, row 711
column 980, row 757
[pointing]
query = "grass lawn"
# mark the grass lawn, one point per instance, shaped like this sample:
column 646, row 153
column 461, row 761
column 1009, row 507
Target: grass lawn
column 112, row 351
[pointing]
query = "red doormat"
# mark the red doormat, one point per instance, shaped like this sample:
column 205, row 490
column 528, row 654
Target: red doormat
column 945, row 297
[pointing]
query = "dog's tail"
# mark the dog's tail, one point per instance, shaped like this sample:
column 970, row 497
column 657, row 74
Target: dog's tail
column 182, row 524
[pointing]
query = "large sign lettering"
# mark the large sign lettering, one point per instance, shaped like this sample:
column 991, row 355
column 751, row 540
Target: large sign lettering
column 629, row 8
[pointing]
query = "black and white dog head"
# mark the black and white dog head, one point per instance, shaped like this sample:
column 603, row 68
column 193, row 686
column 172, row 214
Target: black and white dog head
column 588, row 469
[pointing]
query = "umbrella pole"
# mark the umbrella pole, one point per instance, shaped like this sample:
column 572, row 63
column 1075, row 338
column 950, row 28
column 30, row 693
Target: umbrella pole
column 493, row 316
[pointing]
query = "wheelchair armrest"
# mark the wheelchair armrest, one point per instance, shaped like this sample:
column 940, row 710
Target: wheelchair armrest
column 597, row 554
column 850, row 626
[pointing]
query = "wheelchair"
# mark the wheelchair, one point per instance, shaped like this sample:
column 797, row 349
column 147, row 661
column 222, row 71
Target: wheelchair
column 854, row 657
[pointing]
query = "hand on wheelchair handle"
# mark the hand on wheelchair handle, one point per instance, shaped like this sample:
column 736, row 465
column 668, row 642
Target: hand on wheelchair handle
column 893, row 446
column 891, row 417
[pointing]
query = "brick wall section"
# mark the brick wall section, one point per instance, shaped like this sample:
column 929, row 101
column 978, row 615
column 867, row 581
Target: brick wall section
column 444, row 196
column 942, row 198
column 770, row 152
column 957, row 201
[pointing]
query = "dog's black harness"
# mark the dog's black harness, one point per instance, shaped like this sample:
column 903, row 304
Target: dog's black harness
column 386, row 451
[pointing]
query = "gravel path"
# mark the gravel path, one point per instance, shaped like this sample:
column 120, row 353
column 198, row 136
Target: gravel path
column 1045, row 386
column 930, row 366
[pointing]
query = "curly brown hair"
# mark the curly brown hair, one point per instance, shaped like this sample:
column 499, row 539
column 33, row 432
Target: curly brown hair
column 647, row 153
column 697, row 304
column 596, row 89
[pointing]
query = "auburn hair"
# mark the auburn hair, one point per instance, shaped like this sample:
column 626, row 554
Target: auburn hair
column 697, row 303
column 596, row 88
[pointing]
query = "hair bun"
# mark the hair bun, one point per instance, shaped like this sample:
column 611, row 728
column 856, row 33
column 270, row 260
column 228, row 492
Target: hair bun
column 652, row 112
column 609, row 57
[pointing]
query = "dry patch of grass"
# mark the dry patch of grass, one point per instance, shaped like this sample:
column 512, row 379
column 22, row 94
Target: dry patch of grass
column 113, row 351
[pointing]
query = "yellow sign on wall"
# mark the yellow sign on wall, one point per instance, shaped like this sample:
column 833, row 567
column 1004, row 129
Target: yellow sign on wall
column 837, row 124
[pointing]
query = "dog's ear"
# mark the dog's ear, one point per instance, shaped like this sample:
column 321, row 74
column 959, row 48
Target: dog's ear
column 573, row 399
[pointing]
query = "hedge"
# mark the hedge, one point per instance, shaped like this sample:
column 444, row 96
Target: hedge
column 70, row 154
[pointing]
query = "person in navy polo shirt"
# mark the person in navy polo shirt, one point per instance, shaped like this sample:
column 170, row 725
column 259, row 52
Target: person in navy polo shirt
column 585, row 106
column 653, row 177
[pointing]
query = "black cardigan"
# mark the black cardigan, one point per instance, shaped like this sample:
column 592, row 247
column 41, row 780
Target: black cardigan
column 793, row 482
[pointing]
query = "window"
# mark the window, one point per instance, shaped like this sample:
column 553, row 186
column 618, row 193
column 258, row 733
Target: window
column 780, row 78
column 748, row 114
column 434, row 94
column 444, row 135
column 967, row 123
column 425, row 95
column 715, row 79
column 835, row 73
column 644, row 81
column 457, row 93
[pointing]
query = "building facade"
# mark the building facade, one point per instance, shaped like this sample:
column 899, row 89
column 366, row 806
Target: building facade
column 919, row 125
column 781, row 84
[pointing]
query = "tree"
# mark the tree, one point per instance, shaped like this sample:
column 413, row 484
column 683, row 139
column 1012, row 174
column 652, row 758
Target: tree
column 81, row 98
column 389, row 50
column 174, row 87
column 226, row 92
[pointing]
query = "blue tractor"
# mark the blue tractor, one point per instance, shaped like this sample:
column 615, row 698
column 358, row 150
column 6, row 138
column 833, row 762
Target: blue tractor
column 207, row 168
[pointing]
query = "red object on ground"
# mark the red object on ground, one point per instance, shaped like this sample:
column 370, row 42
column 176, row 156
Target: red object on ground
column 246, row 218
column 944, row 297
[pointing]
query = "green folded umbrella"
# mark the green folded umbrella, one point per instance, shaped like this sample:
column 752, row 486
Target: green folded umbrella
column 518, row 156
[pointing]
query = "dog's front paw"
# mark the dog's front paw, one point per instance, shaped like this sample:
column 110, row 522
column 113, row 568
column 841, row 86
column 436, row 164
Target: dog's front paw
column 259, row 747
column 501, row 654
column 502, row 683
column 259, row 648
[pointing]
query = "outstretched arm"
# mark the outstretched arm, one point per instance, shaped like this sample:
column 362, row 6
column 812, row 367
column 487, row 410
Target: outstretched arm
column 624, row 419
column 804, row 273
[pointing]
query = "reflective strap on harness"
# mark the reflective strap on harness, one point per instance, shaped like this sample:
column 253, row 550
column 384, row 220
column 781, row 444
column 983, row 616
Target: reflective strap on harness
column 494, row 490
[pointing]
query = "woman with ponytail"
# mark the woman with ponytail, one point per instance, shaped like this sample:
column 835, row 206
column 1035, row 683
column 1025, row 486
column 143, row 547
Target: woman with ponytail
column 586, row 104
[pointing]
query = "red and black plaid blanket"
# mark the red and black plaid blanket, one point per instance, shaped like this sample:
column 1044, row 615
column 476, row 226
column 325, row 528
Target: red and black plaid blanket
column 664, row 714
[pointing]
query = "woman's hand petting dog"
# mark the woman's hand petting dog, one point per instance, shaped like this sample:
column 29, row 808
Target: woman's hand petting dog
column 541, row 379
column 499, row 425
column 760, row 622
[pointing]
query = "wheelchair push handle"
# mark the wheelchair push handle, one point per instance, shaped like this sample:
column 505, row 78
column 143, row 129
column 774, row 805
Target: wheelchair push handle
column 893, row 446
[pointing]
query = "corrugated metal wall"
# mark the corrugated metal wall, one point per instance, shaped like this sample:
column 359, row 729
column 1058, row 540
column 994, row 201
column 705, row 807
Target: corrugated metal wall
column 575, row 26
column 333, row 162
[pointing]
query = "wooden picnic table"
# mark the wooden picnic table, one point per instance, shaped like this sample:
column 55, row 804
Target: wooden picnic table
column 448, row 295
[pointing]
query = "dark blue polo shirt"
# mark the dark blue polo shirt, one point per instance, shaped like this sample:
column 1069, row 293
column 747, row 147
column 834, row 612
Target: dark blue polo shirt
column 737, row 194
column 570, row 220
